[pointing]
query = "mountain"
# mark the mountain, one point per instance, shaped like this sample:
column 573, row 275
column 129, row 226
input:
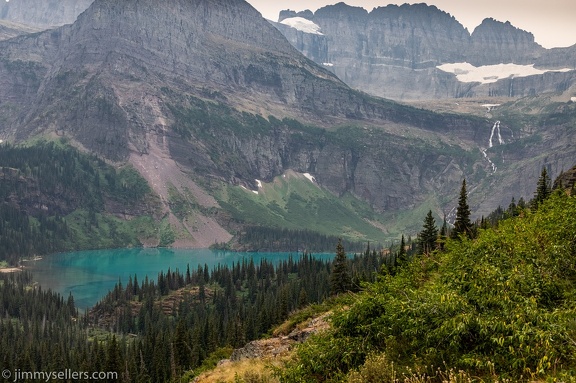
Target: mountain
column 43, row 14
column 209, row 102
column 398, row 52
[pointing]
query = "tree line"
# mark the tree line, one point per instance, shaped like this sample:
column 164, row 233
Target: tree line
column 273, row 239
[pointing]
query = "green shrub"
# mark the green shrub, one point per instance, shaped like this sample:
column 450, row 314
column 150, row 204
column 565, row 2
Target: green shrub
column 498, row 307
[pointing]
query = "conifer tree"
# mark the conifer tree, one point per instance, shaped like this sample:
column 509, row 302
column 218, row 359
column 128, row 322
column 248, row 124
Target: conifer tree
column 543, row 189
column 512, row 209
column 462, row 225
column 402, row 255
column 443, row 235
column 340, row 280
column 428, row 236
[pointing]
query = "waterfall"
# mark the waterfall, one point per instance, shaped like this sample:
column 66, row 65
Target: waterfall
column 494, row 168
column 494, row 128
column 500, row 140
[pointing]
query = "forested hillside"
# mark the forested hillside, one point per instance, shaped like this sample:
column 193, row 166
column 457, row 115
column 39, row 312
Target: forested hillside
column 54, row 198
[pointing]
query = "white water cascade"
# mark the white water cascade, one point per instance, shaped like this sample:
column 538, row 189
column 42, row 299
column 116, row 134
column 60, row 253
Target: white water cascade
column 494, row 128
column 494, row 168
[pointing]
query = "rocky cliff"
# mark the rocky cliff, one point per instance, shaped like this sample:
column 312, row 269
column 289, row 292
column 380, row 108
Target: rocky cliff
column 196, row 94
column 494, row 42
column 394, row 51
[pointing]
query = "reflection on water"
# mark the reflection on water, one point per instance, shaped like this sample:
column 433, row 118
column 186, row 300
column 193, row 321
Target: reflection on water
column 89, row 275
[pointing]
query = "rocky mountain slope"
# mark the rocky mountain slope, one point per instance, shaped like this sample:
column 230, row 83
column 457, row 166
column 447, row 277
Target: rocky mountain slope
column 9, row 29
column 43, row 14
column 205, row 98
column 394, row 52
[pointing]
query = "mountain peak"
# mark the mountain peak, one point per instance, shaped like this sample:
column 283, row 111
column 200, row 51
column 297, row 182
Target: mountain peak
column 491, row 26
column 508, row 44
column 160, row 25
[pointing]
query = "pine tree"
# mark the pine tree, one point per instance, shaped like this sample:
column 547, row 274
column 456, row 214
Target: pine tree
column 443, row 235
column 114, row 361
column 340, row 280
column 543, row 189
column 402, row 255
column 462, row 225
column 428, row 236
column 512, row 209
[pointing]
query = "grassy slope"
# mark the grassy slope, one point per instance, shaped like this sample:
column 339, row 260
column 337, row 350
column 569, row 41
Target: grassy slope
column 293, row 201
column 501, row 306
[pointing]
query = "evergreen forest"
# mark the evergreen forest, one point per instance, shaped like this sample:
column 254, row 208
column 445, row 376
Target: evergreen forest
column 69, row 202
column 165, row 329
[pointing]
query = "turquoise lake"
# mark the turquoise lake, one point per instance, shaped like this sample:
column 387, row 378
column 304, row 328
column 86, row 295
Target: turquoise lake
column 89, row 275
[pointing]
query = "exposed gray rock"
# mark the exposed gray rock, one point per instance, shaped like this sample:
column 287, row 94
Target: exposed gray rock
column 43, row 14
column 393, row 51
column 313, row 46
column 10, row 29
column 494, row 42
column 273, row 347
column 285, row 14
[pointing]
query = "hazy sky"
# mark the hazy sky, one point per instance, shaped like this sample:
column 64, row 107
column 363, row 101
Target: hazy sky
column 553, row 22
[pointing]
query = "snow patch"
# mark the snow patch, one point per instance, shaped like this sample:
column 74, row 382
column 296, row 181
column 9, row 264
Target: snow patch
column 573, row 99
column 253, row 191
column 491, row 106
column 487, row 74
column 302, row 24
column 327, row 64
column 259, row 183
column 310, row 177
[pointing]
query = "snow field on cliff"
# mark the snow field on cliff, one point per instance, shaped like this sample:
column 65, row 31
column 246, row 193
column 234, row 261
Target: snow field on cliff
column 303, row 25
column 486, row 74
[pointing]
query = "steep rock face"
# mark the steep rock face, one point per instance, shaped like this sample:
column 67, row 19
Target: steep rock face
column 393, row 51
column 494, row 42
column 87, row 73
column 43, row 14
column 186, row 45
column 287, row 13
column 312, row 45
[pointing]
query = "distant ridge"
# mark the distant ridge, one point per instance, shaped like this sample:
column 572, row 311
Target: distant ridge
column 394, row 51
